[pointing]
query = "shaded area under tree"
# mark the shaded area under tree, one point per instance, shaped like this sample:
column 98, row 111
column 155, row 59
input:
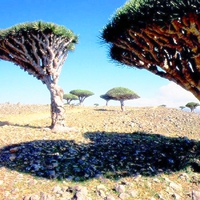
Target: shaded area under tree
column 110, row 155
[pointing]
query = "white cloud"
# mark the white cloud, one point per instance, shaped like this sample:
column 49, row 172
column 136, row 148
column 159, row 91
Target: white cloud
column 171, row 95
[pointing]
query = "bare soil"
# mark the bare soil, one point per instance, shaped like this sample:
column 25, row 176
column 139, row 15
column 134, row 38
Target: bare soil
column 144, row 148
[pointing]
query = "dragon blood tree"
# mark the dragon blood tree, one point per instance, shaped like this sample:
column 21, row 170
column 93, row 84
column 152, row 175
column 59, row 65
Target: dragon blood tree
column 81, row 94
column 121, row 94
column 161, row 36
column 69, row 98
column 41, row 48
column 106, row 98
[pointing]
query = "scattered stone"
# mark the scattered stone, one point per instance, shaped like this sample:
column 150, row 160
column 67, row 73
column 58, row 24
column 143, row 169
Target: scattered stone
column 110, row 197
column 57, row 189
column 51, row 174
column 184, row 177
column 32, row 182
column 176, row 196
column 35, row 167
column 80, row 196
column 12, row 157
column 101, row 187
column 44, row 196
column 175, row 186
column 101, row 190
column 156, row 180
column 101, row 193
column 83, row 190
column 134, row 155
column 195, row 195
column 32, row 197
column 120, row 188
column 137, row 177
column 14, row 150
column 124, row 196
column 66, row 196
column 161, row 197
column 27, row 197
column 134, row 193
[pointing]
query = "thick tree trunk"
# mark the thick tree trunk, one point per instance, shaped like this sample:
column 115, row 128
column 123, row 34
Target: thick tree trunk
column 57, row 107
column 122, row 106
column 58, row 110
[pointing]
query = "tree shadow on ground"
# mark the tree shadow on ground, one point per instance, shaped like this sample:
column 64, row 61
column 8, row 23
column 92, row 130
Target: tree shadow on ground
column 109, row 155
column 4, row 123
column 105, row 109
column 7, row 123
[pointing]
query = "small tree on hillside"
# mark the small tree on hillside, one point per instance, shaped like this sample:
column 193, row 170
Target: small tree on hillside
column 69, row 98
column 41, row 48
column 121, row 94
column 106, row 98
column 81, row 94
column 192, row 105
column 181, row 107
column 159, row 36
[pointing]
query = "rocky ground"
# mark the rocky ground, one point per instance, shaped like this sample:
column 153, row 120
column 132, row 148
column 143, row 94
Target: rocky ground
column 142, row 153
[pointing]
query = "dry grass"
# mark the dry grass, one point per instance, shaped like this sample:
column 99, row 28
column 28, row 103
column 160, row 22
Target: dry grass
column 23, row 124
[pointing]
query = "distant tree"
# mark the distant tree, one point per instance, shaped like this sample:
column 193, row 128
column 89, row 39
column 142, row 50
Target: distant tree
column 69, row 98
column 106, row 98
column 159, row 36
column 121, row 94
column 181, row 107
column 96, row 104
column 41, row 48
column 192, row 105
column 81, row 94
column 163, row 105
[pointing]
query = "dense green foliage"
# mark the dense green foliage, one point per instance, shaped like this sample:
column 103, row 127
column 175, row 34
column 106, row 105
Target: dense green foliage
column 81, row 94
column 39, row 26
column 121, row 93
column 70, row 97
column 161, row 36
column 192, row 105
column 181, row 107
column 136, row 14
column 106, row 97
column 41, row 48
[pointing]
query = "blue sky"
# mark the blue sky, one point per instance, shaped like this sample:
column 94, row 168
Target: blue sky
column 89, row 66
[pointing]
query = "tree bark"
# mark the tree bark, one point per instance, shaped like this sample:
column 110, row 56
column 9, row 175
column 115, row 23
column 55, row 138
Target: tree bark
column 122, row 106
column 57, row 107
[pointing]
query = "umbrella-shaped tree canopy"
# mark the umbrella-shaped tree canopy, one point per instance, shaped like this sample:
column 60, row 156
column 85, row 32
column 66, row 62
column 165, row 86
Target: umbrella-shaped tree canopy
column 40, row 48
column 161, row 36
column 81, row 94
column 121, row 94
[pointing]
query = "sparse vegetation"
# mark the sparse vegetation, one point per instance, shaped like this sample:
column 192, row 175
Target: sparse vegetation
column 148, row 150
